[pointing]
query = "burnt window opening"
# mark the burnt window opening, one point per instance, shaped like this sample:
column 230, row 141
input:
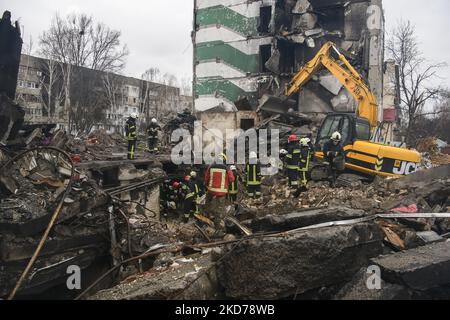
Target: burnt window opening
column 265, row 52
column 265, row 16
column 247, row 124
column 287, row 57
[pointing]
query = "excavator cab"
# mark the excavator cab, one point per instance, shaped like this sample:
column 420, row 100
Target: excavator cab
column 350, row 127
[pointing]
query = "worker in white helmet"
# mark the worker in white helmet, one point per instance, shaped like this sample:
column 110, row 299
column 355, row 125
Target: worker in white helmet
column 334, row 154
column 152, row 135
column 253, row 176
column 306, row 157
column 192, row 193
column 233, row 187
column 131, row 135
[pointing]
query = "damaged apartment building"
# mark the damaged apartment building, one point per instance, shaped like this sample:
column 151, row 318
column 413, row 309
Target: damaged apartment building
column 245, row 49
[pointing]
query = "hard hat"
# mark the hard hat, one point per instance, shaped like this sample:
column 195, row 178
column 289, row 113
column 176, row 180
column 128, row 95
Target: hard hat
column 336, row 136
column 232, row 168
column 154, row 120
column 223, row 156
column 187, row 178
column 193, row 174
column 292, row 138
column 283, row 152
column 134, row 115
column 172, row 205
column 253, row 155
column 305, row 142
column 175, row 185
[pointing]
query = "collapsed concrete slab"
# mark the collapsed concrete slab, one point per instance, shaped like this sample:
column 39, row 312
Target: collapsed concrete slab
column 184, row 279
column 421, row 178
column 304, row 218
column 421, row 268
column 297, row 262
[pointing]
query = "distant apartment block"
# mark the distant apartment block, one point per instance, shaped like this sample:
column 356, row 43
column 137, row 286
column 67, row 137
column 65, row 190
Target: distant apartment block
column 121, row 95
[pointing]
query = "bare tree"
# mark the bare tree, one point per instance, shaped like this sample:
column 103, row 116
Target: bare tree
column 416, row 74
column 149, row 78
column 77, row 41
column 186, row 86
column 52, row 90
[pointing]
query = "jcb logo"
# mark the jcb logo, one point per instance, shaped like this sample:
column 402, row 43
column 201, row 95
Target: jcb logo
column 405, row 168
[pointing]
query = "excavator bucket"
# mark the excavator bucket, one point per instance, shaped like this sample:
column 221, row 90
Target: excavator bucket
column 273, row 104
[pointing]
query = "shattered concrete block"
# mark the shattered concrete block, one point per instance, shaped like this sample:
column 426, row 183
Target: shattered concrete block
column 314, row 32
column 421, row 268
column 130, row 173
column 279, row 267
column 311, row 102
column 304, row 218
column 420, row 178
column 273, row 64
column 172, row 283
column 358, row 289
column 331, row 83
column 306, row 21
column 302, row 6
column 310, row 42
column 297, row 38
column 343, row 102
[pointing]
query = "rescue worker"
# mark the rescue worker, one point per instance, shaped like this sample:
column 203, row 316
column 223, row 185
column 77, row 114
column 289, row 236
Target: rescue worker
column 253, row 176
column 334, row 155
column 131, row 134
column 306, row 156
column 233, row 187
column 292, row 161
column 168, row 197
column 190, row 206
column 217, row 180
column 152, row 135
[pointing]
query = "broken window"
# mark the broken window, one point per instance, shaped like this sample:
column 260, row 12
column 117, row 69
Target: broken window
column 265, row 16
column 265, row 52
column 287, row 57
column 247, row 124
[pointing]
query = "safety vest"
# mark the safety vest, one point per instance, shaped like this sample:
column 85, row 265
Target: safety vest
column 253, row 172
column 132, row 131
column 233, row 189
column 193, row 190
column 305, row 159
column 293, row 157
column 152, row 131
column 218, row 180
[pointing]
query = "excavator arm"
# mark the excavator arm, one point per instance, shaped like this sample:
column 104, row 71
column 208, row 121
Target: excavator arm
column 346, row 74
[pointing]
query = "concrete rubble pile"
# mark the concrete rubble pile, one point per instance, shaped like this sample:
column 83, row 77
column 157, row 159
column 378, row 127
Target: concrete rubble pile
column 430, row 152
column 86, row 233
column 30, row 190
column 313, row 248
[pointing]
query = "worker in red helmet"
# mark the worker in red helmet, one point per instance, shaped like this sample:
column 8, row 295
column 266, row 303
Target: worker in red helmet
column 292, row 161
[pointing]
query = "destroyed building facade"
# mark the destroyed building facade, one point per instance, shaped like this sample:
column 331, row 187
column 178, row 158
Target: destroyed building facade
column 120, row 95
column 245, row 49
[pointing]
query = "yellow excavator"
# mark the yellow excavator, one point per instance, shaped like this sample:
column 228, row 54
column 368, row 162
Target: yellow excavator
column 363, row 155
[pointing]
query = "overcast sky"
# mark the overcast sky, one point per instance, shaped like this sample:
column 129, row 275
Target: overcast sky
column 157, row 32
